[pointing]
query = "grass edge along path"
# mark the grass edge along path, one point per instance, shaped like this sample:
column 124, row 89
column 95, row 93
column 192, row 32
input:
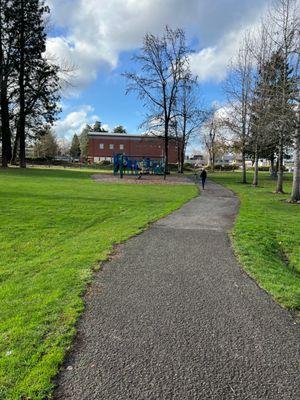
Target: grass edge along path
column 56, row 227
column 266, row 237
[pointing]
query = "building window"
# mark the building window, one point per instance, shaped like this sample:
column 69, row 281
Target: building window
column 111, row 147
column 121, row 146
column 101, row 146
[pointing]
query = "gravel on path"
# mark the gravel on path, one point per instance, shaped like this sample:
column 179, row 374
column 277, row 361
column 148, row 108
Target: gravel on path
column 175, row 317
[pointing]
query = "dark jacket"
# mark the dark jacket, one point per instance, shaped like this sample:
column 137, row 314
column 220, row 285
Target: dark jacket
column 203, row 174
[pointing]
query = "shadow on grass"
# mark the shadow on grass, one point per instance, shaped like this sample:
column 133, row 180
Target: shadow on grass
column 50, row 173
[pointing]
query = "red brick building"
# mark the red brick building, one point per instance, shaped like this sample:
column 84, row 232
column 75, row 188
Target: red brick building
column 103, row 146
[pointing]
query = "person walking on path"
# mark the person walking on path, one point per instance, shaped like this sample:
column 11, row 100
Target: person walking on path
column 203, row 177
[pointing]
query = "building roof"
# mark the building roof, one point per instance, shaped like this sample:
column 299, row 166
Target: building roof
column 120, row 134
column 127, row 135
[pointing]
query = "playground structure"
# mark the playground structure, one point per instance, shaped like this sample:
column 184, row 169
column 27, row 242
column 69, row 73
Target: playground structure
column 137, row 165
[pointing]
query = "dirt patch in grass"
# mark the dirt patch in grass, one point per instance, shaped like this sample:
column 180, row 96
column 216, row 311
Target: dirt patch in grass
column 143, row 180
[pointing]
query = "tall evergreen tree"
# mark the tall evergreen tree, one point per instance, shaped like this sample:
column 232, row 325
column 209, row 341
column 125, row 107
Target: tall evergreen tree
column 84, row 141
column 277, row 114
column 119, row 129
column 272, row 121
column 285, row 36
column 98, row 127
column 75, row 147
column 7, row 55
column 37, row 91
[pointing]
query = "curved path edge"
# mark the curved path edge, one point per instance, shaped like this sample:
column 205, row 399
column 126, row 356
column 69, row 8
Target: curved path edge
column 175, row 317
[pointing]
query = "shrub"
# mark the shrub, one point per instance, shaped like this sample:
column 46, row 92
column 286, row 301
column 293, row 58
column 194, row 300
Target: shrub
column 105, row 162
column 219, row 167
column 173, row 167
column 188, row 167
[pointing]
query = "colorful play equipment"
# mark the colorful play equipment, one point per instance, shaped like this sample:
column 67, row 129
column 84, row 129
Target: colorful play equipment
column 136, row 165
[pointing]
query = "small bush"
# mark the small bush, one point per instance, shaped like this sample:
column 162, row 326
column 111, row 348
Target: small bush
column 188, row 167
column 262, row 169
column 173, row 167
column 105, row 162
column 265, row 169
column 220, row 167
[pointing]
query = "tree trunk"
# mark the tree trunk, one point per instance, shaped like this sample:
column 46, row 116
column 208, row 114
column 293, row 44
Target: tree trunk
column 21, row 122
column 255, row 177
column 180, row 165
column 166, row 149
column 213, row 162
column 4, row 105
column 244, row 171
column 15, row 151
column 180, row 157
column 279, row 188
column 5, row 129
column 273, row 169
column 295, row 197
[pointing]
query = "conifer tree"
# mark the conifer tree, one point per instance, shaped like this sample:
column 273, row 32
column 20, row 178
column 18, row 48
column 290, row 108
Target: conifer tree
column 75, row 147
column 6, row 67
column 84, row 141
column 119, row 129
column 29, row 84
column 36, row 93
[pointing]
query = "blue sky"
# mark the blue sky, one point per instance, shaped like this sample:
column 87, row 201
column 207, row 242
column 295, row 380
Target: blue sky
column 99, row 37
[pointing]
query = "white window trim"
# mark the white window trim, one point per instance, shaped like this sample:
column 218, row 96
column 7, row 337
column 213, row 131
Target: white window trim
column 101, row 146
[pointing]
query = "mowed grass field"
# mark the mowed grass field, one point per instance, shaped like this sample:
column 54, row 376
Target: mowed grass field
column 266, row 236
column 56, row 226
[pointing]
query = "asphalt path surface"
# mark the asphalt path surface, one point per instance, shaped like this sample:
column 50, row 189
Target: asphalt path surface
column 173, row 316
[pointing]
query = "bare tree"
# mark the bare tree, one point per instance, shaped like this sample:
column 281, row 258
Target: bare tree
column 284, row 16
column 239, row 90
column 261, row 100
column 295, row 197
column 212, row 135
column 162, row 62
column 46, row 146
column 189, row 116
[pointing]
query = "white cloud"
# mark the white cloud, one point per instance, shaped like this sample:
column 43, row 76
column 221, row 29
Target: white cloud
column 211, row 62
column 75, row 121
column 96, row 31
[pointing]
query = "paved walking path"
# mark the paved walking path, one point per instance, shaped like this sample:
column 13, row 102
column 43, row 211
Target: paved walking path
column 174, row 317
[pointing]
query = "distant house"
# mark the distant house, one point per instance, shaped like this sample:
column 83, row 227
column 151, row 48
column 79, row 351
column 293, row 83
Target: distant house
column 228, row 159
column 104, row 145
column 197, row 160
column 197, row 157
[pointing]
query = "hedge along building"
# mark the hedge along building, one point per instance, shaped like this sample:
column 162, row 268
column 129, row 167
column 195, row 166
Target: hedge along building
column 103, row 146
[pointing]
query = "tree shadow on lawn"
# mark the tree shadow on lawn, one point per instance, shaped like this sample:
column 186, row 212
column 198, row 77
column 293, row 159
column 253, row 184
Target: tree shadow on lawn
column 113, row 199
column 48, row 173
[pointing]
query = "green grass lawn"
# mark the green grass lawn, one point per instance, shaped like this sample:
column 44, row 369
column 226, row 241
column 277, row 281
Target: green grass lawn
column 266, row 236
column 56, row 226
